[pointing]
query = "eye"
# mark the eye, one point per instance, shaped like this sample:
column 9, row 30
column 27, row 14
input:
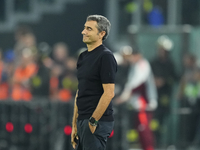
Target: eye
column 88, row 28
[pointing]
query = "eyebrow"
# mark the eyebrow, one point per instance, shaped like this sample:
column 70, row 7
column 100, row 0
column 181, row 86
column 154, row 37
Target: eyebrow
column 88, row 27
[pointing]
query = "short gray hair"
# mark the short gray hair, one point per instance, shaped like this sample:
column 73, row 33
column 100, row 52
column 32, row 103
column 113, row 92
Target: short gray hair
column 103, row 24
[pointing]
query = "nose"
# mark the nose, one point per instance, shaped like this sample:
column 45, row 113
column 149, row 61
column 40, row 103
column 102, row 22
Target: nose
column 83, row 32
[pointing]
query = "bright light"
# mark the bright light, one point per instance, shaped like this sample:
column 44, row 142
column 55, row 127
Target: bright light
column 9, row 127
column 68, row 130
column 112, row 133
column 28, row 128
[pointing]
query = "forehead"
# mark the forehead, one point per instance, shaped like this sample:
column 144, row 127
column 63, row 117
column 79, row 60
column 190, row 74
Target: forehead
column 92, row 24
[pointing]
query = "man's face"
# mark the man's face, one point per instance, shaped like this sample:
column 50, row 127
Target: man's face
column 91, row 33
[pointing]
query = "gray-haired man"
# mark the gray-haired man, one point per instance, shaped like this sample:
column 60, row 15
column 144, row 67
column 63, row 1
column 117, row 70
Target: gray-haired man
column 96, row 68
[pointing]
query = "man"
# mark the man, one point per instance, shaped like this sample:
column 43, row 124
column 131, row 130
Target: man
column 165, row 76
column 141, row 92
column 96, row 68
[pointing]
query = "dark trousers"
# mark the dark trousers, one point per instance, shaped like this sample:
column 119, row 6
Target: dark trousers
column 95, row 141
column 142, row 120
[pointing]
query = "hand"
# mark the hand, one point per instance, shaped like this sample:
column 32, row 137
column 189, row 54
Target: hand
column 152, row 105
column 118, row 101
column 73, row 136
column 92, row 128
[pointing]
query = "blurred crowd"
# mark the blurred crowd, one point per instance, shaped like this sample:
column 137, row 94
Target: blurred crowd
column 32, row 69
column 189, row 100
column 172, row 87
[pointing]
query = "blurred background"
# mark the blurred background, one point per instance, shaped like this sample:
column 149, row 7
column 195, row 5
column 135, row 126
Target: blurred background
column 40, row 41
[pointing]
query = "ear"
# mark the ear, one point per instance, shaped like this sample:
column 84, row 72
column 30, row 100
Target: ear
column 102, row 34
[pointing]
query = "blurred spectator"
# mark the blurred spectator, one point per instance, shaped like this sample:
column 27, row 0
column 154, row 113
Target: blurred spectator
column 140, row 92
column 4, row 86
column 189, row 95
column 60, row 53
column 196, row 138
column 188, row 78
column 63, row 80
column 165, row 76
column 71, row 73
column 26, row 56
column 24, row 38
column 40, row 82
column 25, row 69
column 121, row 76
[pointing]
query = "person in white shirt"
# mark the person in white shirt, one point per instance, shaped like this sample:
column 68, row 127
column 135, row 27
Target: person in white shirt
column 140, row 92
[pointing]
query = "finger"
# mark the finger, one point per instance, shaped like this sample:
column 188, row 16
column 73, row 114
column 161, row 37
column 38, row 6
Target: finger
column 74, row 145
column 77, row 137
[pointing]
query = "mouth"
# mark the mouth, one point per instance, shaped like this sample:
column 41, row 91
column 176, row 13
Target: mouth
column 85, row 37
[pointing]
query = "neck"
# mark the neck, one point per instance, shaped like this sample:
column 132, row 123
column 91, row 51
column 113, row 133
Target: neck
column 92, row 46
